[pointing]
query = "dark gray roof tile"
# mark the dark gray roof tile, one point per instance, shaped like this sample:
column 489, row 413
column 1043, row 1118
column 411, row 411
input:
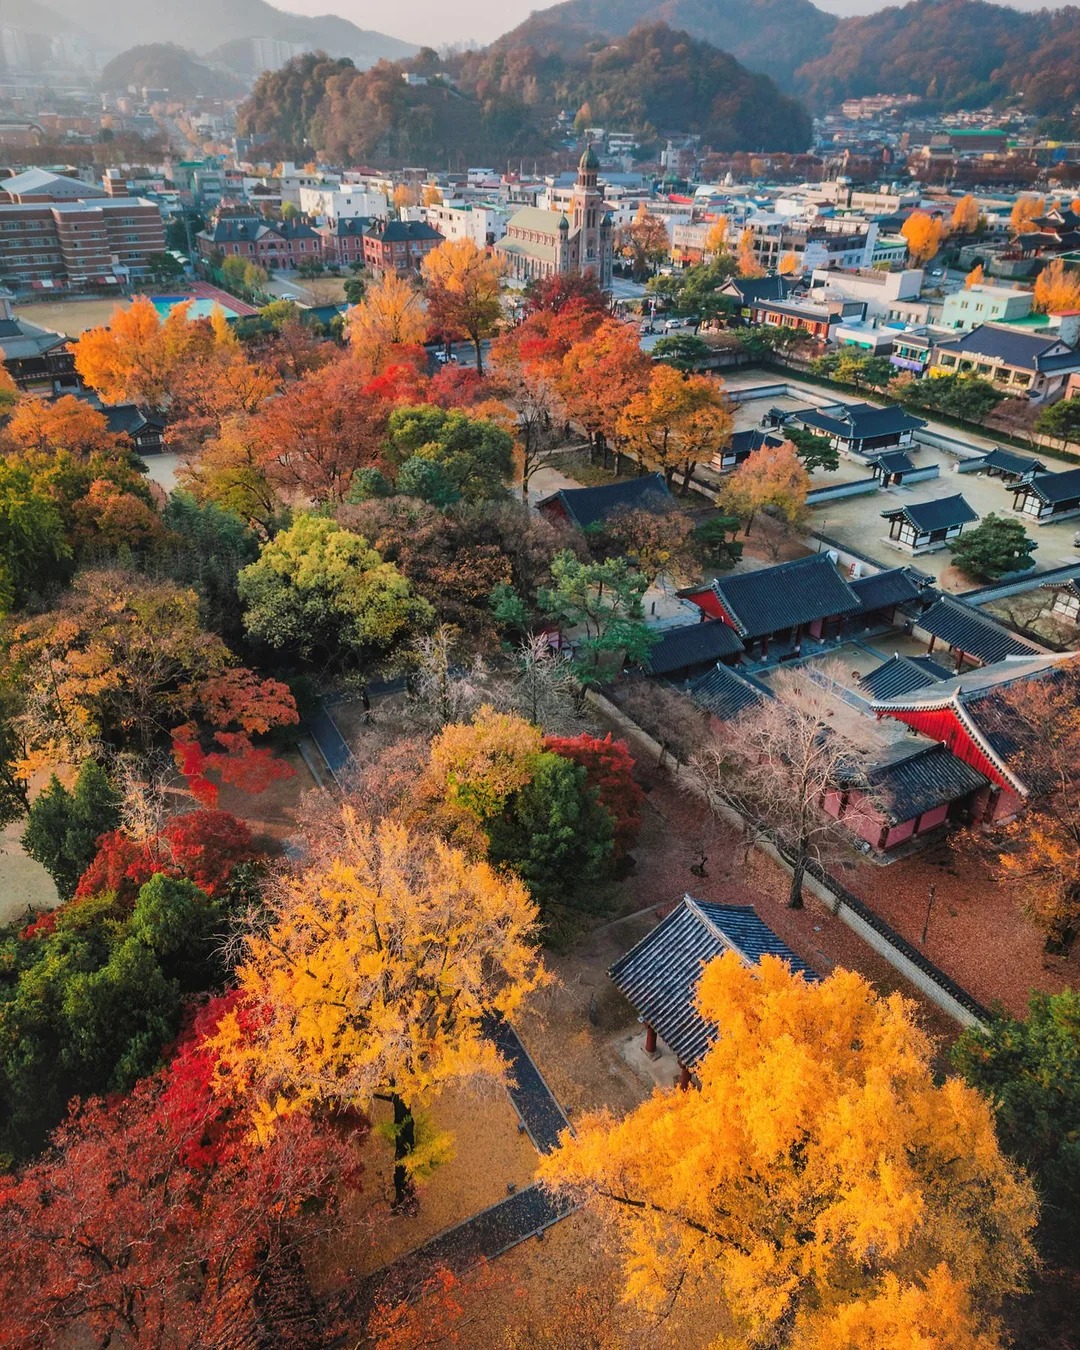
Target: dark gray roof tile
column 692, row 645
column 940, row 513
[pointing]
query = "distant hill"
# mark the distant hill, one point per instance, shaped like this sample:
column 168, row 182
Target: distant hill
column 954, row 53
column 207, row 24
column 163, row 65
column 773, row 36
column 654, row 80
column 503, row 102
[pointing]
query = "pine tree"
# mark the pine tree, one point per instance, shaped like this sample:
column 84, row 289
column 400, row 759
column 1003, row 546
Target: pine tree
column 63, row 827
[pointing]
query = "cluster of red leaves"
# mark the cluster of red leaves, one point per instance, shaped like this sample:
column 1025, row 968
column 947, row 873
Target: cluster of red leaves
column 609, row 771
column 237, row 704
column 152, row 1218
column 203, row 846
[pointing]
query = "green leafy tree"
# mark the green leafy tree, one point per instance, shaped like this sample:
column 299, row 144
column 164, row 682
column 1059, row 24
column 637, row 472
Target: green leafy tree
column 1030, row 1070
column 323, row 593
column 816, row 452
column 63, row 827
column 962, row 396
column 164, row 267
column 367, row 484
column 206, row 548
column 355, row 289
column 995, row 547
column 555, row 835
column 33, row 549
column 475, row 454
column 87, row 1008
column 684, row 351
column 280, row 312
column 604, row 601
column 428, row 481
column 1061, row 420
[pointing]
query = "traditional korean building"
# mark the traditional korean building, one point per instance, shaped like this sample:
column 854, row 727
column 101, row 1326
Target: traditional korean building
column 690, row 650
column 967, row 634
column 860, row 428
column 923, row 527
column 892, row 467
column 725, row 693
column 972, row 717
column 741, row 446
column 1066, row 602
column 593, row 505
column 1009, row 466
column 659, row 976
column 805, row 597
column 1048, row 496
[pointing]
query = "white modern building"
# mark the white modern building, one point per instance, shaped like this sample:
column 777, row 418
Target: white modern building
column 880, row 290
column 484, row 224
column 344, row 201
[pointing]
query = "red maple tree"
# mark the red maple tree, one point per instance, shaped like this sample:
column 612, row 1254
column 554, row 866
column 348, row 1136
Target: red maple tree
column 153, row 1218
column 609, row 771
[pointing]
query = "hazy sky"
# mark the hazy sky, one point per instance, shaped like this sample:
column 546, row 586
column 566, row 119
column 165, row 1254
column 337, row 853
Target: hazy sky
column 437, row 21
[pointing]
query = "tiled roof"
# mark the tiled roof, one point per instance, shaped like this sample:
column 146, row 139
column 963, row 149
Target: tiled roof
column 692, row 645
column 978, row 699
column 726, row 694
column 859, row 421
column 20, row 339
column 770, row 599
column 900, row 675
column 589, row 505
column 1008, row 461
column 930, row 777
column 536, row 219
column 1001, row 342
column 1055, row 487
column 528, row 248
column 754, row 289
column 894, row 461
column 348, row 226
column 400, row 231
column 892, row 587
column 971, row 632
column 660, row 975
column 940, row 513
column 746, row 442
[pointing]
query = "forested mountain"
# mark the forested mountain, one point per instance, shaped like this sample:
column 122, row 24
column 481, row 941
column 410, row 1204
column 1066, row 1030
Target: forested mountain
column 504, row 100
column 953, row 52
column 163, row 65
column 774, row 36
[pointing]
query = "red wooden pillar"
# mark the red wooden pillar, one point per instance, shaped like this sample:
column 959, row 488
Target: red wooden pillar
column 684, row 1078
column 650, row 1039
column 933, row 639
column 959, row 660
column 798, row 638
column 765, row 646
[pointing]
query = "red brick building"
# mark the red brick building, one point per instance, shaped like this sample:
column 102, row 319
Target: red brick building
column 399, row 245
column 272, row 244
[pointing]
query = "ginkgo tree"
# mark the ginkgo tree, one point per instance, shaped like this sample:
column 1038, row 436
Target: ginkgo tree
column 376, row 969
column 818, row 1178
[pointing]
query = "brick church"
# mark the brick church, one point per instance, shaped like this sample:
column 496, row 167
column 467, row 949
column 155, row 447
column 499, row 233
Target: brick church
column 541, row 243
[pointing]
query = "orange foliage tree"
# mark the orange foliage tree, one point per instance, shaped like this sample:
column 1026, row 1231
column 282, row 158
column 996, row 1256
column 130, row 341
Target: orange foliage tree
column 773, row 476
column 965, row 216
column 461, row 282
column 1057, row 287
column 675, row 422
column 376, row 971
column 601, row 374
column 136, row 357
column 924, row 234
column 1025, row 211
column 124, row 662
column 387, row 325
column 747, row 259
column 817, row 1179
column 66, row 423
column 975, row 276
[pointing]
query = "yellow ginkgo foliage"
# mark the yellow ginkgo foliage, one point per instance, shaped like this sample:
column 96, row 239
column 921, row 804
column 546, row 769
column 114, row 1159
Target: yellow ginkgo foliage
column 817, row 1166
column 389, row 319
column 372, row 978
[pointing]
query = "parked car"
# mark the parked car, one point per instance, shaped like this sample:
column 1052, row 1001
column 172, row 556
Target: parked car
column 672, row 324
column 646, row 327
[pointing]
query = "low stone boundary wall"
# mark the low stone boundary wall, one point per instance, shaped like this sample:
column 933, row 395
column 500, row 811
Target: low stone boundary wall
column 862, row 487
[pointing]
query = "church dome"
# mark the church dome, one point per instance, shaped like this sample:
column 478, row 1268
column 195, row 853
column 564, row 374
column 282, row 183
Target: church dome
column 589, row 163
column 564, row 224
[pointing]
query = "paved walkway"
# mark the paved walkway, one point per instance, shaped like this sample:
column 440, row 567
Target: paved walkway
column 522, row 1215
column 532, row 1099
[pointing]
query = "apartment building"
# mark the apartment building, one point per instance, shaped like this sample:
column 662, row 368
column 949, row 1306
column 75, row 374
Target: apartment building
column 484, row 224
column 78, row 244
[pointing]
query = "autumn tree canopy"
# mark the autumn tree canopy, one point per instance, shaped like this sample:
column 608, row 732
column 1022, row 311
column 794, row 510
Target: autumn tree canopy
column 924, row 234
column 461, row 282
column 375, row 971
column 817, row 1179
column 387, row 325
